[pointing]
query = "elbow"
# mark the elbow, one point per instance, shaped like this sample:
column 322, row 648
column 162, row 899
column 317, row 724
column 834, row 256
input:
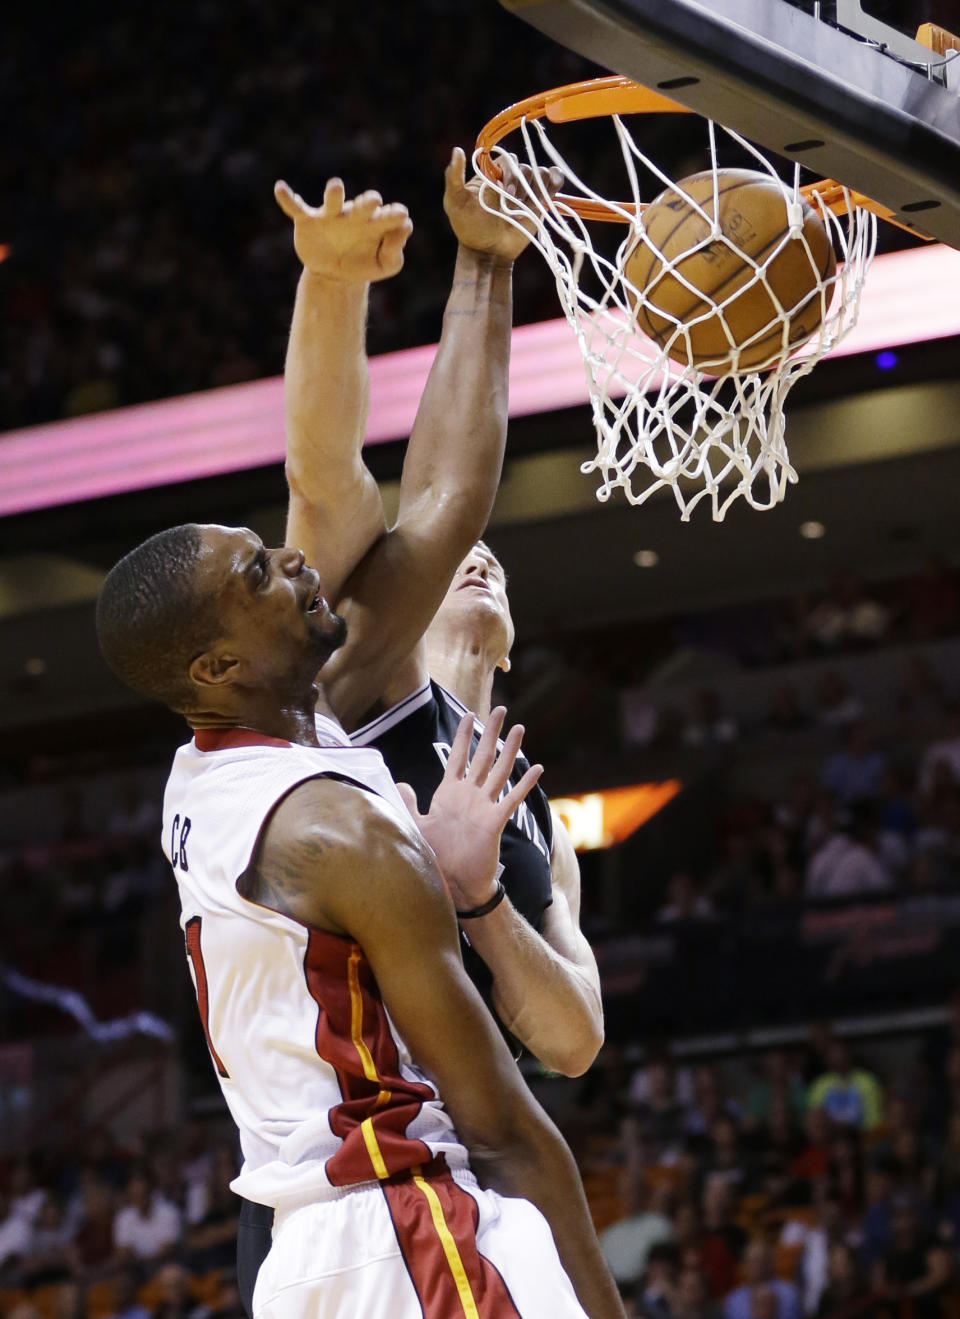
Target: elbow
column 576, row 1054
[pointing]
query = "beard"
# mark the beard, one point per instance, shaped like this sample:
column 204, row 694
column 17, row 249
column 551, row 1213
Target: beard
column 328, row 635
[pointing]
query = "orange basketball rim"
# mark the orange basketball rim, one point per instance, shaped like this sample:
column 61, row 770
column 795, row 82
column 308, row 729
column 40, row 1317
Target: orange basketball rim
column 614, row 95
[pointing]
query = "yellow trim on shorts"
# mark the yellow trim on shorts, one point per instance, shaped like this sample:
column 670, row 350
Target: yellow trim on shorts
column 454, row 1262
column 373, row 1148
column 366, row 1061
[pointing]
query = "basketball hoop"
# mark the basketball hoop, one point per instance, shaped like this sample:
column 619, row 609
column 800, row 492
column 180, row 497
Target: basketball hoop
column 661, row 421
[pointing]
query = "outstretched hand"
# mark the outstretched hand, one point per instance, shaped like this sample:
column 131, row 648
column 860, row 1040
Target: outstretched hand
column 477, row 228
column 467, row 813
column 354, row 242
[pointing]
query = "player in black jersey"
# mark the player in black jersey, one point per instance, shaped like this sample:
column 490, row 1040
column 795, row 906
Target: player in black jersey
column 522, row 943
column 526, row 954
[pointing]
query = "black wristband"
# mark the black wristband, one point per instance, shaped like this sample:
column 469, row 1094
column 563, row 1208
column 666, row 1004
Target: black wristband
column 484, row 907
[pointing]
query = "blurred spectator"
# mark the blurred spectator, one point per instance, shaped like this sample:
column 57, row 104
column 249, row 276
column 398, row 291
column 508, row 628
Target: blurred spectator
column 212, row 1233
column 837, row 706
column 938, row 832
column 95, row 1215
column 176, row 1301
column 709, row 1101
column 725, row 1159
column 847, row 616
column 944, row 752
column 921, row 699
column 847, row 1294
column 877, row 1223
column 845, row 1174
column 658, row 1298
column 813, row 1161
column 626, row 1244
column 896, row 820
column 849, row 1095
column 708, row 724
column 148, row 1226
column 14, row 1233
column 903, row 1146
column 915, row 1268
column 786, row 713
column 125, row 1302
column 758, row 1272
column 692, row 1298
column 855, row 772
column 684, row 901
column 722, row 1241
column 815, row 1240
column 848, row 863
column 26, row 1197
column 136, row 815
column 657, row 1121
column 50, row 1256
column 778, row 1081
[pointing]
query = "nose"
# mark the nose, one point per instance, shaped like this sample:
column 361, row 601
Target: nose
column 290, row 560
column 476, row 568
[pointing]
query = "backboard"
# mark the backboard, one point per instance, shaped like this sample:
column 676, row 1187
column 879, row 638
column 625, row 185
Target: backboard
column 849, row 106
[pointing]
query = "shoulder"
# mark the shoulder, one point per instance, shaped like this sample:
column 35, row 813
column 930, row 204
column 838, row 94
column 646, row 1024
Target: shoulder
column 337, row 823
column 331, row 849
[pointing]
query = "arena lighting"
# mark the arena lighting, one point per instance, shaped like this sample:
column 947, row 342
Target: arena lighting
column 812, row 530
column 646, row 558
column 603, row 819
column 886, row 360
column 4, row 251
column 909, row 297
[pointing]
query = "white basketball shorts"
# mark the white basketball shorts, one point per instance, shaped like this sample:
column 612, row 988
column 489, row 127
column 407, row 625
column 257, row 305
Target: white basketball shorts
column 420, row 1247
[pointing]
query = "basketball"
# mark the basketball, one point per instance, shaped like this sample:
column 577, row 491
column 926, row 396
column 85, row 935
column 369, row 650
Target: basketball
column 752, row 213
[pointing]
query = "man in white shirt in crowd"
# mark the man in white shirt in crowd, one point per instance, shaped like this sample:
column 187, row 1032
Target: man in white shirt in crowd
column 148, row 1226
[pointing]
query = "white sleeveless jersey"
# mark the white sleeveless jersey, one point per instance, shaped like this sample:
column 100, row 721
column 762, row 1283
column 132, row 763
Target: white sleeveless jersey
column 318, row 1081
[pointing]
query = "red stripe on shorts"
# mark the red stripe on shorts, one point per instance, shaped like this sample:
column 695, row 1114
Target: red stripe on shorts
column 427, row 1255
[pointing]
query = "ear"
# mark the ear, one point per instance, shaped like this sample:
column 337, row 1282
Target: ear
column 213, row 669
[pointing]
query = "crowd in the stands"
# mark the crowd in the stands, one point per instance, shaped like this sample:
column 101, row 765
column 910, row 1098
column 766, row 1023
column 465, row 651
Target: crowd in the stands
column 820, row 1180
column 805, row 1183
column 141, row 1227
column 144, row 253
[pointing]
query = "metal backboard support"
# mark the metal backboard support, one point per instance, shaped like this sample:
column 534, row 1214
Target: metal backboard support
column 790, row 82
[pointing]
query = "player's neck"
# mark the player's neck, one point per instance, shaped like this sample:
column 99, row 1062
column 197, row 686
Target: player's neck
column 291, row 722
column 465, row 667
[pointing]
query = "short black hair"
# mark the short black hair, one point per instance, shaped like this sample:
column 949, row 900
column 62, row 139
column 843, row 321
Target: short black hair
column 153, row 620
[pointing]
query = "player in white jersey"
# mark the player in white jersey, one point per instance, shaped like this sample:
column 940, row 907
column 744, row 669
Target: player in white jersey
column 526, row 953
column 233, row 635
column 324, row 945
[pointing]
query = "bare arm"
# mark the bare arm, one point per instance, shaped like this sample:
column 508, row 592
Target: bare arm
column 451, row 470
column 335, row 512
column 452, row 465
column 324, row 839
column 546, row 987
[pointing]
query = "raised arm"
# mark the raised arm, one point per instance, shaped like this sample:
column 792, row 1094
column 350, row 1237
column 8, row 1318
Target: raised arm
column 323, row 837
column 335, row 512
column 452, row 465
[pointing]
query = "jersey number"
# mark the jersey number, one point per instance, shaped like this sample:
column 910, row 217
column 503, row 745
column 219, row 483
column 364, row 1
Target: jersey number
column 195, row 953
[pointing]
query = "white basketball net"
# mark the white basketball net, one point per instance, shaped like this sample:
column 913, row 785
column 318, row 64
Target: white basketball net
column 660, row 423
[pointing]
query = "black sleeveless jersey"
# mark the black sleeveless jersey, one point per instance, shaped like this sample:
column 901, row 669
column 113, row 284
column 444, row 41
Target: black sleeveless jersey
column 414, row 737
